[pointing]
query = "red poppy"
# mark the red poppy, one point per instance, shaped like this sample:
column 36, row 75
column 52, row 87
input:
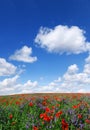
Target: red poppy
column 17, row 103
column 35, row 128
column 45, row 97
column 53, row 107
column 87, row 121
column 75, row 106
column 52, row 111
column 64, row 125
column 79, row 116
column 42, row 115
column 47, row 109
column 57, row 105
column 44, row 103
column 45, row 117
column 58, row 114
column 30, row 104
column 10, row 116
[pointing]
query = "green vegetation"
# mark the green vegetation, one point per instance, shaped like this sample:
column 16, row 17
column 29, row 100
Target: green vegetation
column 44, row 112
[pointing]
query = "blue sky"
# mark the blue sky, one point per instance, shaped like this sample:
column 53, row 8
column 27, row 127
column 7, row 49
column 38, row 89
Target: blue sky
column 44, row 46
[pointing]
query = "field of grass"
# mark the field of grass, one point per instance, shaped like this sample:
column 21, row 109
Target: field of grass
column 45, row 112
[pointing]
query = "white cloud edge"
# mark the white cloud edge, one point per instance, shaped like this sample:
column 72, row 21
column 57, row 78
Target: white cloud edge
column 6, row 68
column 71, row 81
column 23, row 55
column 62, row 39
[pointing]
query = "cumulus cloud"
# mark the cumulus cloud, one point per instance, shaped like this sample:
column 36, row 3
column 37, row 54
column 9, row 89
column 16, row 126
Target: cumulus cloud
column 71, row 81
column 57, row 80
column 6, row 68
column 87, row 60
column 87, row 66
column 9, row 81
column 24, row 55
column 7, row 86
column 72, row 69
column 29, row 87
column 10, row 86
column 63, row 39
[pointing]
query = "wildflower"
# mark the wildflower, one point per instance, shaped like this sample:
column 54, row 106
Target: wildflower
column 53, row 107
column 87, row 121
column 45, row 97
column 42, row 115
column 70, row 111
column 17, row 103
column 57, row 105
column 10, row 116
column 52, row 111
column 27, row 126
column 79, row 116
column 74, row 119
column 58, row 114
column 64, row 124
column 30, row 104
column 47, row 109
column 45, row 117
column 35, row 128
column 44, row 103
column 81, row 126
column 75, row 106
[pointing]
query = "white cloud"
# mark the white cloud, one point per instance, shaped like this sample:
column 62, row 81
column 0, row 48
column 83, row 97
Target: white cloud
column 87, row 68
column 24, row 55
column 7, row 86
column 6, row 68
column 57, row 80
column 87, row 60
column 72, row 69
column 71, row 81
column 30, row 83
column 76, row 81
column 11, row 86
column 9, row 81
column 87, row 65
column 81, row 91
column 63, row 39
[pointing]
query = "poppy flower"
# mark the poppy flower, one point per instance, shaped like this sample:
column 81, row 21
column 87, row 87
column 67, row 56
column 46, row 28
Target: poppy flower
column 35, row 128
column 46, row 118
column 10, row 116
column 30, row 104
column 79, row 116
column 42, row 115
column 87, row 121
column 75, row 106
column 64, row 125
column 17, row 103
column 47, row 109
column 58, row 114
column 44, row 103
